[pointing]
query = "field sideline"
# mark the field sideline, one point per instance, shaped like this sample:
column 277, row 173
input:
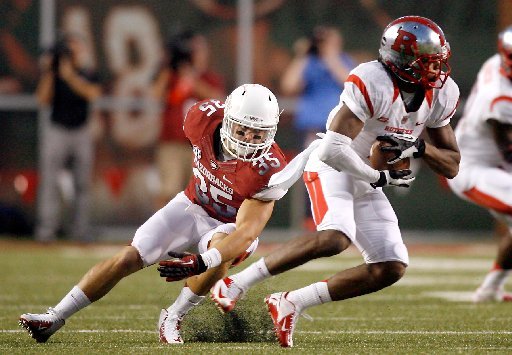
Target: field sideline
column 428, row 311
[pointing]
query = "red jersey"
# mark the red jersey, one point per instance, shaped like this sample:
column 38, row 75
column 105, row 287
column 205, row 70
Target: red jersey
column 179, row 99
column 220, row 187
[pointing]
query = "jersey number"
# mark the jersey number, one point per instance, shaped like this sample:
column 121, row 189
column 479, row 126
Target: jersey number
column 211, row 106
column 214, row 192
column 265, row 162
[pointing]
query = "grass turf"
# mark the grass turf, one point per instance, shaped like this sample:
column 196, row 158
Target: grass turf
column 428, row 311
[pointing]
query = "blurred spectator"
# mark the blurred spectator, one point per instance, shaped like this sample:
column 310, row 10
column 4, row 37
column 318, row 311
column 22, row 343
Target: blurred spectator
column 184, row 79
column 68, row 86
column 18, row 46
column 316, row 74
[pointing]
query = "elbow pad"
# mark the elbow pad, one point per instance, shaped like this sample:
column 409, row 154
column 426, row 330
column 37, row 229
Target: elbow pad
column 335, row 151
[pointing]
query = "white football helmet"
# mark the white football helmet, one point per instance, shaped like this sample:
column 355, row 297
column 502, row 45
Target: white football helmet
column 253, row 108
column 416, row 50
column 505, row 50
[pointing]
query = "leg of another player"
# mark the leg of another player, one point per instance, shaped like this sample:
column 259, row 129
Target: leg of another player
column 492, row 288
column 293, row 253
column 504, row 256
column 196, row 287
column 285, row 307
column 353, row 282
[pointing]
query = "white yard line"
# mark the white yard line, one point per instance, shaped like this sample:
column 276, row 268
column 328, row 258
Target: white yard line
column 378, row 332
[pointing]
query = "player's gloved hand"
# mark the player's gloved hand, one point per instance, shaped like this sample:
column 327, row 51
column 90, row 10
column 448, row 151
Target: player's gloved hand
column 182, row 266
column 403, row 145
column 398, row 178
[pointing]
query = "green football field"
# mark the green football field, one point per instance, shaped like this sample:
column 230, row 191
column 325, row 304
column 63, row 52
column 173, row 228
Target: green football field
column 428, row 312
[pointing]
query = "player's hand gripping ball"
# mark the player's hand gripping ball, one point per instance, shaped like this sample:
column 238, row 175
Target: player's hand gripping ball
column 379, row 159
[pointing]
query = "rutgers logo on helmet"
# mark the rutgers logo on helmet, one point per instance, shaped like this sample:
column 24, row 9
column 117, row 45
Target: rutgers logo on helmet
column 505, row 50
column 416, row 50
column 250, row 122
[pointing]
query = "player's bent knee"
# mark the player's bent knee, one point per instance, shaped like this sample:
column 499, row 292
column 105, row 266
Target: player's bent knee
column 330, row 242
column 387, row 273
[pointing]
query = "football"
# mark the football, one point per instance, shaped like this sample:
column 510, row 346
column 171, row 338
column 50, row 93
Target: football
column 379, row 159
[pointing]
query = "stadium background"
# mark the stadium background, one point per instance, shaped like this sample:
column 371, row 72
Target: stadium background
column 127, row 38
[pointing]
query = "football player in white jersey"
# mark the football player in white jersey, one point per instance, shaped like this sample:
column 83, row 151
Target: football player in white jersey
column 484, row 134
column 395, row 98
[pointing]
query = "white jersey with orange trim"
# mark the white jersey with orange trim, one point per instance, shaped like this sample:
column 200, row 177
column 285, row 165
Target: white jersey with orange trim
column 373, row 96
column 484, row 177
column 342, row 202
column 491, row 97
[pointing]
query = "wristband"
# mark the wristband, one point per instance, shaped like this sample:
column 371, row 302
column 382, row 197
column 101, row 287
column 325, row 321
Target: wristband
column 212, row 258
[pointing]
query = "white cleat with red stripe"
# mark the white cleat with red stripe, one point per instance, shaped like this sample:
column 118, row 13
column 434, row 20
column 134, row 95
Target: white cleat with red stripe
column 284, row 316
column 41, row 326
column 169, row 326
column 483, row 295
column 225, row 293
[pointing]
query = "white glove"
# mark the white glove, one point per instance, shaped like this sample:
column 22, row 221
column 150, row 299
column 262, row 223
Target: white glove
column 403, row 145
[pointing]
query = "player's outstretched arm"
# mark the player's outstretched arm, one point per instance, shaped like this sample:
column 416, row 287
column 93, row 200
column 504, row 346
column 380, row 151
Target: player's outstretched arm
column 442, row 153
column 252, row 217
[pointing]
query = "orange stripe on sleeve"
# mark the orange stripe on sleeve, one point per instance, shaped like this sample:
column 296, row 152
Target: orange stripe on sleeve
column 360, row 85
column 319, row 205
column 500, row 98
column 488, row 201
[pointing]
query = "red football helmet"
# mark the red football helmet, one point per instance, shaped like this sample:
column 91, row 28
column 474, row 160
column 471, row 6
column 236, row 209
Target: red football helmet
column 416, row 50
column 505, row 50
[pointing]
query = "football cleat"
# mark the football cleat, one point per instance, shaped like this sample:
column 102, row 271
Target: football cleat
column 169, row 326
column 284, row 316
column 225, row 293
column 41, row 326
column 483, row 295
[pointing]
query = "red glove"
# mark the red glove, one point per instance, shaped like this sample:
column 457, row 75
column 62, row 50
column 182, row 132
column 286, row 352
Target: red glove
column 182, row 266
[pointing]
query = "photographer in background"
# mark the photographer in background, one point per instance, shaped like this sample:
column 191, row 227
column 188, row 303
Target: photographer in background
column 316, row 75
column 68, row 87
column 183, row 79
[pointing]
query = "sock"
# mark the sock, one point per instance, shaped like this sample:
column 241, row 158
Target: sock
column 251, row 275
column 309, row 296
column 74, row 301
column 495, row 279
column 185, row 302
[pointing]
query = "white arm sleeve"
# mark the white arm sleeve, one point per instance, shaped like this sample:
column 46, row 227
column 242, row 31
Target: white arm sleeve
column 335, row 151
column 280, row 182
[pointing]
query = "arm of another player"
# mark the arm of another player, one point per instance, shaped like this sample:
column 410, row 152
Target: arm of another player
column 335, row 151
column 442, row 153
column 503, row 136
column 252, row 217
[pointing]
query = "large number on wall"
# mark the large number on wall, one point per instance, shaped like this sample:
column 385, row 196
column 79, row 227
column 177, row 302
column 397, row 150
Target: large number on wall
column 135, row 123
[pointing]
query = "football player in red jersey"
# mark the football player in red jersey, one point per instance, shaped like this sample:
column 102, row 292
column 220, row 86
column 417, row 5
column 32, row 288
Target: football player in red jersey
column 219, row 216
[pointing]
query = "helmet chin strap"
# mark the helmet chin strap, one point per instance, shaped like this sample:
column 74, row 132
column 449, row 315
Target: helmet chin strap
column 225, row 155
column 403, row 85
